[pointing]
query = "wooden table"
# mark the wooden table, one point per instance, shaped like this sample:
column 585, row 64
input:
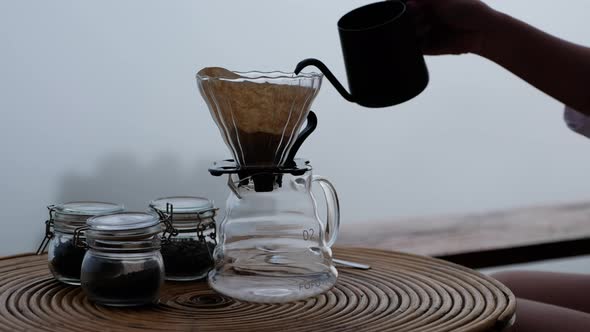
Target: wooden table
column 401, row 292
column 482, row 240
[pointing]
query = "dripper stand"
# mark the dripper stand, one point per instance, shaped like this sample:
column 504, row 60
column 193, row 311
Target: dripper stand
column 265, row 177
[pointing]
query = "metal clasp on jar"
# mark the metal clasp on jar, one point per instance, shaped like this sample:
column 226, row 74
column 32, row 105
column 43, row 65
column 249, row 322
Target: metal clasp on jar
column 78, row 242
column 167, row 219
column 48, row 231
column 201, row 227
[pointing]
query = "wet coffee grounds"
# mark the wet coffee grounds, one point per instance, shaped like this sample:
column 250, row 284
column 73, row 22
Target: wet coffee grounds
column 67, row 259
column 187, row 258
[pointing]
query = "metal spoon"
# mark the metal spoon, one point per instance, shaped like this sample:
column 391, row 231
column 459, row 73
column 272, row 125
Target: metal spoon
column 351, row 264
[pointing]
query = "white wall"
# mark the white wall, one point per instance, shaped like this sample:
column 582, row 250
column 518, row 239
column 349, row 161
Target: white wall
column 98, row 101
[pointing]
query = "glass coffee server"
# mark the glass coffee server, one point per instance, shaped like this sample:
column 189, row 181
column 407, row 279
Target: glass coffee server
column 272, row 246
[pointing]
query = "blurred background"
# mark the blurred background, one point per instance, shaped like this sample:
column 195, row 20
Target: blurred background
column 99, row 102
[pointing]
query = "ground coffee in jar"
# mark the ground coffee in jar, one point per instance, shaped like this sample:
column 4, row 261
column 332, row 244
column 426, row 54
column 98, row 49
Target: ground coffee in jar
column 123, row 284
column 123, row 265
column 65, row 258
column 188, row 254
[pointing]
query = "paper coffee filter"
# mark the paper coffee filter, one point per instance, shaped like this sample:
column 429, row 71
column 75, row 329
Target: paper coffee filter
column 217, row 72
column 259, row 106
column 258, row 114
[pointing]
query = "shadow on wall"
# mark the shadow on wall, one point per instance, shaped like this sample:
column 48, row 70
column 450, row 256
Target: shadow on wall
column 122, row 178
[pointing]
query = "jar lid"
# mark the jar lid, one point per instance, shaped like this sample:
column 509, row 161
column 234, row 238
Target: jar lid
column 68, row 216
column 183, row 204
column 87, row 208
column 188, row 211
column 127, row 225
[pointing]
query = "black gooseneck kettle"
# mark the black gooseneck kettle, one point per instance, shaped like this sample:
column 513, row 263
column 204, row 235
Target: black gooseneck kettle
column 382, row 56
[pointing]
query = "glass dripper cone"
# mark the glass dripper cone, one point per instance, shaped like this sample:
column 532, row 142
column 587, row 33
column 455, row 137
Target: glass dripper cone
column 258, row 114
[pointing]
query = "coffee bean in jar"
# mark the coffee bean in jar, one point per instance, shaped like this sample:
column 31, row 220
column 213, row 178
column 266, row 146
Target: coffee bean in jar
column 188, row 254
column 65, row 258
column 123, row 265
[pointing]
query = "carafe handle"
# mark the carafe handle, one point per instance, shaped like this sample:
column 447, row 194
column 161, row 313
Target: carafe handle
column 333, row 207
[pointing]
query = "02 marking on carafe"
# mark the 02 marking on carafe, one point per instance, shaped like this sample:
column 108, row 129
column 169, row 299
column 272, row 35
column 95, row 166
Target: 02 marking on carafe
column 308, row 234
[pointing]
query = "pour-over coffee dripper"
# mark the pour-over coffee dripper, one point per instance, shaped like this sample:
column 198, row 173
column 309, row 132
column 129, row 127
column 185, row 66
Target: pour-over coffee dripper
column 272, row 246
column 260, row 116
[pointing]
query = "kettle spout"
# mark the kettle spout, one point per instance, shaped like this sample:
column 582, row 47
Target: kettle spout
column 324, row 69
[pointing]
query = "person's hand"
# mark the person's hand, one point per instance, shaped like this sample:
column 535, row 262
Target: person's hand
column 452, row 26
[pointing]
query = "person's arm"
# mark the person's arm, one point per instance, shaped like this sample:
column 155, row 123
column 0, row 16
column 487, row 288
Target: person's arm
column 557, row 67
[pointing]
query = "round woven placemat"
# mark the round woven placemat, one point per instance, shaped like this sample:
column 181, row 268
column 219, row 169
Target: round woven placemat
column 401, row 292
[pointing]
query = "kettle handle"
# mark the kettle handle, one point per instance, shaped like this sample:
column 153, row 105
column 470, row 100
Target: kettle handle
column 333, row 218
column 324, row 69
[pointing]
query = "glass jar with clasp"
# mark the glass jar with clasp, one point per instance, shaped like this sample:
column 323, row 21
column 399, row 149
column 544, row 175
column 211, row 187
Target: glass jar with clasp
column 188, row 253
column 65, row 258
column 123, row 265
